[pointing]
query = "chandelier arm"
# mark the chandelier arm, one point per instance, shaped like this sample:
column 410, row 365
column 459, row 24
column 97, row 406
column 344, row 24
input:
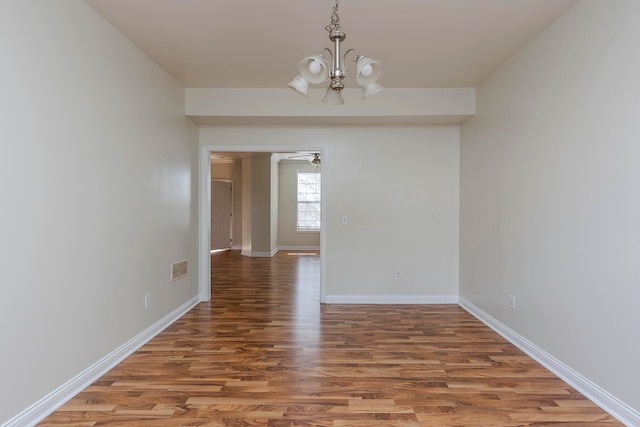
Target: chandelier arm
column 326, row 49
column 346, row 54
column 350, row 51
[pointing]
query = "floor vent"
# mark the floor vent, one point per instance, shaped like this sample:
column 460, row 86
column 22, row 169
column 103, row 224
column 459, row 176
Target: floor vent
column 178, row 270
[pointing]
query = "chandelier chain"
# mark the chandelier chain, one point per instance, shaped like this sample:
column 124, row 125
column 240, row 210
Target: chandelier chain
column 335, row 20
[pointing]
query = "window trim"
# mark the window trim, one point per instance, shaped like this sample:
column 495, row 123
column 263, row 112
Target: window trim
column 297, row 223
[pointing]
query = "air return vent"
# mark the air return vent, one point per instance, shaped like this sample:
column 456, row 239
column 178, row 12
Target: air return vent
column 178, row 270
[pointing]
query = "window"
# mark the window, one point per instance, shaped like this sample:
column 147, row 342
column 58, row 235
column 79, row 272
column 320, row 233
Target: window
column 308, row 201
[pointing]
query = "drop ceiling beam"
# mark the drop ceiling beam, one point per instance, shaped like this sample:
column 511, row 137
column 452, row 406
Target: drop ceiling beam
column 432, row 106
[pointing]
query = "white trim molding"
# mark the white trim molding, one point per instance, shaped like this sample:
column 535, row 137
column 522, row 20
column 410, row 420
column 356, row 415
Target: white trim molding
column 204, row 225
column 614, row 406
column 299, row 248
column 45, row 406
column 391, row 299
column 259, row 254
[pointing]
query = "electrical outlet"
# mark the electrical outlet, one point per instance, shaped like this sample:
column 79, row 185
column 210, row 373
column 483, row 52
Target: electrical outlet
column 512, row 302
column 398, row 274
column 147, row 300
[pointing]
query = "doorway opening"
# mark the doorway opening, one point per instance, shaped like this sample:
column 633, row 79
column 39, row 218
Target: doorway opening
column 210, row 238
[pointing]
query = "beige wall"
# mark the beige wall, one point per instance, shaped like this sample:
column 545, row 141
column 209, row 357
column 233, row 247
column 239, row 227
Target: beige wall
column 550, row 195
column 274, row 208
column 247, row 204
column 261, row 205
column 399, row 187
column 99, row 195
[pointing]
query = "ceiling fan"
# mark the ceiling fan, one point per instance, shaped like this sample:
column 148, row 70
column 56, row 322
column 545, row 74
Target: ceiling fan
column 314, row 158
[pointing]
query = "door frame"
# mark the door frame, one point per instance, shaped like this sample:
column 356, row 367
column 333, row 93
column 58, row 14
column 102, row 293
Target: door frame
column 204, row 209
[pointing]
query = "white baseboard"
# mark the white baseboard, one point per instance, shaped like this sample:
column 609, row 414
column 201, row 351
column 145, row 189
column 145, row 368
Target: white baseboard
column 299, row 248
column 278, row 249
column 260, row 254
column 391, row 299
column 45, row 406
column 614, row 406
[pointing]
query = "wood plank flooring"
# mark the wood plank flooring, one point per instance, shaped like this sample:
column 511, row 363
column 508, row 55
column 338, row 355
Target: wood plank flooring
column 264, row 352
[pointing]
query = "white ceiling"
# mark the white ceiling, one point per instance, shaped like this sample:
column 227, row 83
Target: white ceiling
column 258, row 43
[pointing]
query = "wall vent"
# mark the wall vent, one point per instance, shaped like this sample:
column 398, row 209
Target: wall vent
column 178, row 270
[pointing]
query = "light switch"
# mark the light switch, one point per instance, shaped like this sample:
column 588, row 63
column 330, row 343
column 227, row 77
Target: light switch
column 345, row 219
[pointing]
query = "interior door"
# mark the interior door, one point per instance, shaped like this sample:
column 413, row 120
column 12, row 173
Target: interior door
column 221, row 214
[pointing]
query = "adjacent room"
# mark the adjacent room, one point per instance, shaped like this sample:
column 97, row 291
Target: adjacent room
column 477, row 193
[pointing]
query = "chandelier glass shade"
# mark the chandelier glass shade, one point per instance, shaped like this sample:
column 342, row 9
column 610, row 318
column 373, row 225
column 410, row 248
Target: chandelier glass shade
column 315, row 161
column 318, row 68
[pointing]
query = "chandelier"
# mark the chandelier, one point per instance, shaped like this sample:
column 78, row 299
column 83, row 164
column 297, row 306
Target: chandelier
column 317, row 68
column 315, row 161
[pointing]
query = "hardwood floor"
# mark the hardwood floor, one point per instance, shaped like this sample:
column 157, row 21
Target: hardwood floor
column 264, row 352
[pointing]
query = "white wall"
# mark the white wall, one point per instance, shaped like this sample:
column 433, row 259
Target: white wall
column 288, row 236
column 97, row 192
column 550, row 194
column 399, row 188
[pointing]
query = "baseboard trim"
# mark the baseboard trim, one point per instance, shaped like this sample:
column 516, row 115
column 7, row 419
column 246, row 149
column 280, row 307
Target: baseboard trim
column 614, row 406
column 45, row 406
column 299, row 248
column 391, row 299
column 260, row 254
